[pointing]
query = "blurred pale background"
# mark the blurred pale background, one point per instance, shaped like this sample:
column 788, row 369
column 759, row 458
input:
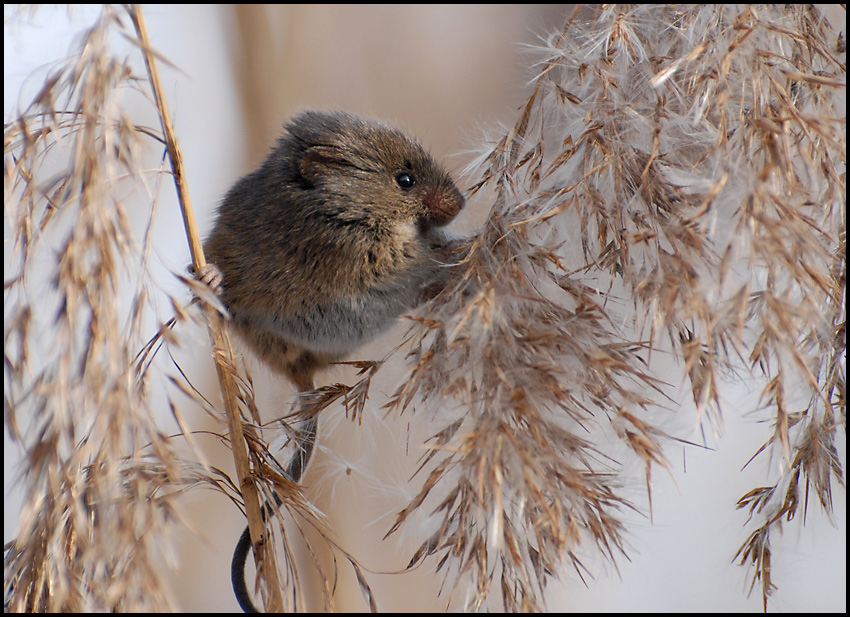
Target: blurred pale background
column 445, row 74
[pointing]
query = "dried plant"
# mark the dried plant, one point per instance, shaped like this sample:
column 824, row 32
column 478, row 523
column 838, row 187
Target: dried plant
column 100, row 471
column 670, row 203
column 674, row 188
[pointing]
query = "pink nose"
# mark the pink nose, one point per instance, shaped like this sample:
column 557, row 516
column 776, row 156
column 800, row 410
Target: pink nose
column 443, row 205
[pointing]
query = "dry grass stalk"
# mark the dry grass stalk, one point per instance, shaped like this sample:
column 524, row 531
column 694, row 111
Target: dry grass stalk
column 674, row 187
column 100, row 472
column 225, row 364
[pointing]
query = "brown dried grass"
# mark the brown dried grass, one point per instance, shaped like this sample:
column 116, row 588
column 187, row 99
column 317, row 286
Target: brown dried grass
column 100, row 473
column 674, row 186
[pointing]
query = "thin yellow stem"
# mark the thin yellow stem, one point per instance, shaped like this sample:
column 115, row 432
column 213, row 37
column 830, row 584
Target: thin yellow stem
column 263, row 551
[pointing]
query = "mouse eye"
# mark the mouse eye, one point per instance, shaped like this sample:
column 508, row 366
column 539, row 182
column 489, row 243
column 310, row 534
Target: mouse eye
column 405, row 180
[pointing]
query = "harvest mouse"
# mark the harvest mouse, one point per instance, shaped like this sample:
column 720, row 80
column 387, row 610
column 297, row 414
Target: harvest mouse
column 320, row 248
column 330, row 239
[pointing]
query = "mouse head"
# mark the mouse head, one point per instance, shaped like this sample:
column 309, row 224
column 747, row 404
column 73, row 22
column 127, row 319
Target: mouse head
column 368, row 170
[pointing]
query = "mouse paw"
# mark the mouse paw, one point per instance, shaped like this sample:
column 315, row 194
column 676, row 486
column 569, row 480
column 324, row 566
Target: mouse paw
column 211, row 276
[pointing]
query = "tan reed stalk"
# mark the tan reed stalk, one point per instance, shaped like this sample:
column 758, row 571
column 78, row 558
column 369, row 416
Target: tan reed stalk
column 224, row 360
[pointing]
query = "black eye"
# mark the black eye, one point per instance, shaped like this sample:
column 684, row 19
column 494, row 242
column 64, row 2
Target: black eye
column 405, row 180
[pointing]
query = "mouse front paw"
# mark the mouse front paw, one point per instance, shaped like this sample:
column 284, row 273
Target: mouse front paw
column 211, row 276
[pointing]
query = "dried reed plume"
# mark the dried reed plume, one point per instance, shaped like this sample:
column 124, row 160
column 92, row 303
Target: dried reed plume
column 674, row 186
column 671, row 198
column 98, row 472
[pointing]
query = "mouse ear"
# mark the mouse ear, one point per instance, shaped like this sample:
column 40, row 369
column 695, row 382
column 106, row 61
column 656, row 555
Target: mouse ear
column 315, row 160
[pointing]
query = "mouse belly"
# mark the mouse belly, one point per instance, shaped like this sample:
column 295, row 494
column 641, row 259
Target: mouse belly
column 341, row 326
